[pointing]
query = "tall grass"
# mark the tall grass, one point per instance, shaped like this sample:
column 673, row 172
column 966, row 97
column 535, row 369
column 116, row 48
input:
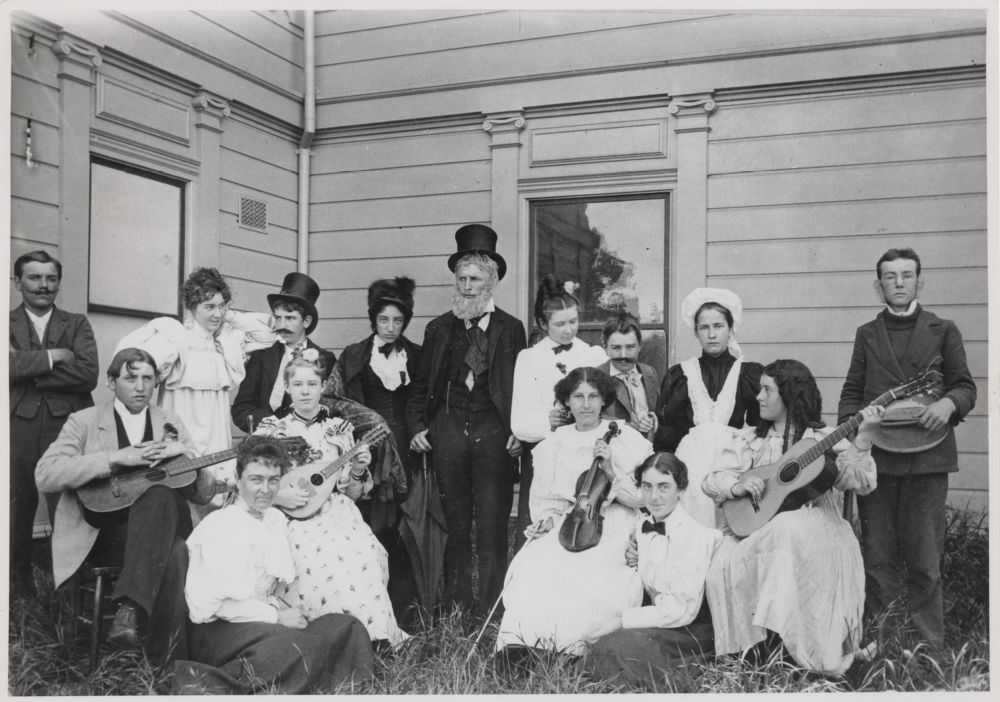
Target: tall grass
column 45, row 661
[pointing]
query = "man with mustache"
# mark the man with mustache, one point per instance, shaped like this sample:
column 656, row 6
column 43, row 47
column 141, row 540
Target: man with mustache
column 637, row 387
column 262, row 392
column 459, row 410
column 53, row 368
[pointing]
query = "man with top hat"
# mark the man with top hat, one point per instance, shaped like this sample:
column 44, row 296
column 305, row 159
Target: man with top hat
column 262, row 392
column 903, row 519
column 458, row 410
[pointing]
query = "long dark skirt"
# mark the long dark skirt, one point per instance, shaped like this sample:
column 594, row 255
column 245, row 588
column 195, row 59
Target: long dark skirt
column 243, row 658
column 648, row 657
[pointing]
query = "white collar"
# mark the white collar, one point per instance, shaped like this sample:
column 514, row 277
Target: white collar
column 484, row 321
column 39, row 318
column 614, row 372
column 909, row 310
column 134, row 424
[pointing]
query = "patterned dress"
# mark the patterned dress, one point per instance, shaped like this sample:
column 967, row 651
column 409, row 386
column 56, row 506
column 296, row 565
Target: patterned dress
column 340, row 566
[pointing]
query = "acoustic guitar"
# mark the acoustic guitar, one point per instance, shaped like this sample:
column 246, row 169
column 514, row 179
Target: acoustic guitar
column 128, row 483
column 803, row 473
column 320, row 479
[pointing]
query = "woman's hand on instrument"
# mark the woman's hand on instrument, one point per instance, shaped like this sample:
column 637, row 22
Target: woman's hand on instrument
column 559, row 416
column 752, row 486
column 363, row 458
column 937, row 414
column 539, row 528
column 419, row 442
column 632, row 552
column 603, row 451
column 871, row 417
column 293, row 618
column 291, row 497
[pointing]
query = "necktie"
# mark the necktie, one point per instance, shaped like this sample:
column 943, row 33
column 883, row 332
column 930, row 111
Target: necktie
column 386, row 349
column 476, row 357
column 655, row 526
column 559, row 348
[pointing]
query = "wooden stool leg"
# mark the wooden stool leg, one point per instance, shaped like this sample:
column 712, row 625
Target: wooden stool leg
column 96, row 618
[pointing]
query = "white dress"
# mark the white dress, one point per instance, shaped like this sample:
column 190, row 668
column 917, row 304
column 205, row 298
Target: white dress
column 801, row 574
column 704, row 443
column 558, row 599
column 536, row 373
column 340, row 565
column 198, row 372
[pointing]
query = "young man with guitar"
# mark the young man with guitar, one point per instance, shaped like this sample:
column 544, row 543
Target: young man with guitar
column 903, row 520
column 106, row 444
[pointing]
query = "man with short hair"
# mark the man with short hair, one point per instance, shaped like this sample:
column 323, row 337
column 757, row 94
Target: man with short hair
column 637, row 388
column 147, row 538
column 459, row 409
column 262, row 392
column 903, row 520
column 53, row 368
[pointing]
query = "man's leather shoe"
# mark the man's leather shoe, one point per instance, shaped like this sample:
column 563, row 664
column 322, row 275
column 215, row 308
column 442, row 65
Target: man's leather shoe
column 125, row 628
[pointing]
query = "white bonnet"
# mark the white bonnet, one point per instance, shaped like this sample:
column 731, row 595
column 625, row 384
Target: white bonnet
column 699, row 296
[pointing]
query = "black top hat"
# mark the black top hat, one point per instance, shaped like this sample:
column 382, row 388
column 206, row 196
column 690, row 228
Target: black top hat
column 477, row 238
column 300, row 288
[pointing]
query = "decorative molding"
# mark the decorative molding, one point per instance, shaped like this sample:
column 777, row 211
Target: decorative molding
column 29, row 24
column 206, row 101
column 127, row 110
column 65, row 48
column 599, row 142
column 587, row 107
column 142, row 154
column 708, row 104
column 614, row 183
column 378, row 131
column 491, row 123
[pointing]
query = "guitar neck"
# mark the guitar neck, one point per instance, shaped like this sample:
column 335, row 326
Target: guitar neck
column 186, row 465
column 350, row 453
column 841, row 432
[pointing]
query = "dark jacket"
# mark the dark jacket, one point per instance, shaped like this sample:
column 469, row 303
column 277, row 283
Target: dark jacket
column 355, row 357
column 506, row 338
column 66, row 387
column 253, row 397
column 622, row 407
column 874, row 370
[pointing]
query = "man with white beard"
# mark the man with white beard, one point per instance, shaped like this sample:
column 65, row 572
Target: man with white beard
column 459, row 411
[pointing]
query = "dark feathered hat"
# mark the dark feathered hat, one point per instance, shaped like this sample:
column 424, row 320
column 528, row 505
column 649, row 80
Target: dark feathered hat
column 394, row 291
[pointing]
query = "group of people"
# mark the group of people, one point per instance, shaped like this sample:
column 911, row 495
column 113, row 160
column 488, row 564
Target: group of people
column 220, row 582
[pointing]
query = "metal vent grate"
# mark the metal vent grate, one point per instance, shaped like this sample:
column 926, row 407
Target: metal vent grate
column 253, row 214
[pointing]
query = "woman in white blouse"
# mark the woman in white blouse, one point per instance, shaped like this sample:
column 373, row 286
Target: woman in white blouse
column 557, row 599
column 244, row 636
column 672, row 553
column 534, row 412
column 798, row 581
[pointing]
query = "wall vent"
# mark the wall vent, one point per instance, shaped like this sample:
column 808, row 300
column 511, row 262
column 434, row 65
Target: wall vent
column 253, row 214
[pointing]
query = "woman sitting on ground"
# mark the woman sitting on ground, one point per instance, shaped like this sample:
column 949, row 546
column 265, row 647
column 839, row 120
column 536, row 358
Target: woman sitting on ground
column 562, row 600
column 339, row 564
column 798, row 579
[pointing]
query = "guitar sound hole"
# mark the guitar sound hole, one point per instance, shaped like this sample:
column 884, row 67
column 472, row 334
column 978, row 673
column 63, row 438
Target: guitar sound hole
column 155, row 476
column 316, row 479
column 789, row 472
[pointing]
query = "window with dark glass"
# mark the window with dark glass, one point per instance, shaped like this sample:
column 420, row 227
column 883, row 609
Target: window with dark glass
column 615, row 248
column 136, row 241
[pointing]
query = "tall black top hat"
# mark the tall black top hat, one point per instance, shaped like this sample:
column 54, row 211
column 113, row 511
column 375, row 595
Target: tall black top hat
column 300, row 288
column 477, row 238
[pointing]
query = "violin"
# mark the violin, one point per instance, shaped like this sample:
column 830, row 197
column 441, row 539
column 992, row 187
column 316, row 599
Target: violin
column 582, row 527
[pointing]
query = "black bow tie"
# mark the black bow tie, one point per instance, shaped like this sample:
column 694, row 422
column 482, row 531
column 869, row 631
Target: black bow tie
column 559, row 348
column 386, row 349
column 654, row 526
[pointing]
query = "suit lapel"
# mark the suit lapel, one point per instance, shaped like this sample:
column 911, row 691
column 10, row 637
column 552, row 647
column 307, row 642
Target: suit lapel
column 107, row 431
column 20, row 327
column 272, row 360
column 913, row 358
column 879, row 341
column 493, row 336
column 157, row 419
column 57, row 325
column 649, row 386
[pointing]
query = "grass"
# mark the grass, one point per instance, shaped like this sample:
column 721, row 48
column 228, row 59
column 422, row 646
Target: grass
column 43, row 661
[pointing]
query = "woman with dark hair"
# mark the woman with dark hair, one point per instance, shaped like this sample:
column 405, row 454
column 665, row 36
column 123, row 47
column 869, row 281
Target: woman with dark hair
column 534, row 412
column 557, row 599
column 672, row 553
column 799, row 578
column 200, row 361
column 704, row 399
column 376, row 372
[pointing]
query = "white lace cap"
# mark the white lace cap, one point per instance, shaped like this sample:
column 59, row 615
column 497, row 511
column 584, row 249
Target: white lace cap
column 727, row 298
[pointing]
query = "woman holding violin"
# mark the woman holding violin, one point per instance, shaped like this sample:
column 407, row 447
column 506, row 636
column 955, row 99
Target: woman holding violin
column 562, row 599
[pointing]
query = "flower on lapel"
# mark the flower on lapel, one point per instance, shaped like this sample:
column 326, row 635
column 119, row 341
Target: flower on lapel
column 311, row 355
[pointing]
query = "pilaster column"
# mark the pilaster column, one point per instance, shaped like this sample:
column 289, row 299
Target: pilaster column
column 689, row 260
column 505, row 129
column 202, row 241
column 78, row 63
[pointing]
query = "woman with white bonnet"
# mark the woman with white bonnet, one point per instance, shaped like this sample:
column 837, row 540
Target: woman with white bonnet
column 706, row 398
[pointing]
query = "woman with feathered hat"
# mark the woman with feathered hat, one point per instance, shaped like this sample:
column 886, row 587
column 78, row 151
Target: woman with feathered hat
column 376, row 372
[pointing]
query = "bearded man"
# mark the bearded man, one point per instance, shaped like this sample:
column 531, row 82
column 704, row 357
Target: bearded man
column 459, row 410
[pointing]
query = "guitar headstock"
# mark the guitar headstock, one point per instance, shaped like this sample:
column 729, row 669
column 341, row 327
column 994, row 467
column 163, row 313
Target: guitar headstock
column 375, row 434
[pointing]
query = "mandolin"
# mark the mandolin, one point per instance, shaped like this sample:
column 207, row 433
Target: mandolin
column 320, row 479
column 803, row 473
column 128, row 483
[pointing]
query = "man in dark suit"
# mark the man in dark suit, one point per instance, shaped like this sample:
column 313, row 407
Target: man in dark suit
column 637, row 387
column 262, row 392
column 53, row 368
column 459, row 407
column 903, row 520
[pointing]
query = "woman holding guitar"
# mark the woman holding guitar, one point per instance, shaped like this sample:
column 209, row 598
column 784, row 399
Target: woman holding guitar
column 798, row 579
column 559, row 599
column 340, row 566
